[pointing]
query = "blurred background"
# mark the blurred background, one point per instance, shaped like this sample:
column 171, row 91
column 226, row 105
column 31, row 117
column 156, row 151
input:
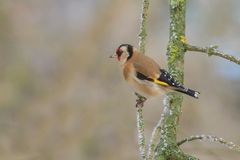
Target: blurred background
column 62, row 98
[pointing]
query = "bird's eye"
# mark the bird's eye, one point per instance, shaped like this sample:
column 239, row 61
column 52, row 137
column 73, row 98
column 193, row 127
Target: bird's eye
column 119, row 52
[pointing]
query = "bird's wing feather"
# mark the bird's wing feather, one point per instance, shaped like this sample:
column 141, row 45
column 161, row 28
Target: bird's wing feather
column 143, row 77
column 175, row 85
column 147, row 69
column 167, row 78
column 146, row 66
column 164, row 79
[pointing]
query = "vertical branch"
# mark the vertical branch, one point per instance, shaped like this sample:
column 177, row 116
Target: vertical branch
column 141, row 136
column 143, row 32
column 142, row 42
column 167, row 147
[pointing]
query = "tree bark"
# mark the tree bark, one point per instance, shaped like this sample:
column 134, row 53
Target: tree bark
column 167, row 148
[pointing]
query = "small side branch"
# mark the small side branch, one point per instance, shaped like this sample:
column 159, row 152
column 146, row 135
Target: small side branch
column 211, row 138
column 156, row 133
column 213, row 50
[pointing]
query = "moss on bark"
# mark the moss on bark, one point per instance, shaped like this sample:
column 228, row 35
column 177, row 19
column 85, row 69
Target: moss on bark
column 167, row 148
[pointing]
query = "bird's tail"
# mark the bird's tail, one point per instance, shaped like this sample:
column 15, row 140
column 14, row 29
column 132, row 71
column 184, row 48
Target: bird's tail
column 189, row 92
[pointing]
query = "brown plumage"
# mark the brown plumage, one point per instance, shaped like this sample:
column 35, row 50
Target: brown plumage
column 145, row 75
column 140, row 61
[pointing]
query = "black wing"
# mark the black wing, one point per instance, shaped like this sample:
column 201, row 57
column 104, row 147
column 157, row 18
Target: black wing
column 164, row 77
column 143, row 77
column 170, row 82
column 167, row 78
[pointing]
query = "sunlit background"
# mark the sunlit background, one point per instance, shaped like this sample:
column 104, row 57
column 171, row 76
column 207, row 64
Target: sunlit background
column 62, row 98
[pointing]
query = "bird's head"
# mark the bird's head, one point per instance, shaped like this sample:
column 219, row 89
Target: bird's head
column 123, row 53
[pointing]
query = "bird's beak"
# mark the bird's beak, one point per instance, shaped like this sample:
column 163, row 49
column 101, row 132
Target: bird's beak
column 113, row 55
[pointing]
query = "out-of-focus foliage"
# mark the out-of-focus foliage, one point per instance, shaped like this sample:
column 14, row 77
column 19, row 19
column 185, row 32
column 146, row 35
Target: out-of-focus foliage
column 62, row 98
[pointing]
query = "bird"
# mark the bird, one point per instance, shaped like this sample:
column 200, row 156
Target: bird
column 145, row 75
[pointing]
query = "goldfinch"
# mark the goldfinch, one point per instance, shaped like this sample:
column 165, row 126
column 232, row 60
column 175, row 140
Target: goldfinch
column 145, row 75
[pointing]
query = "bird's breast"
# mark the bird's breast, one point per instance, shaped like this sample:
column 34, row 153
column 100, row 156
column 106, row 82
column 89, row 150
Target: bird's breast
column 143, row 87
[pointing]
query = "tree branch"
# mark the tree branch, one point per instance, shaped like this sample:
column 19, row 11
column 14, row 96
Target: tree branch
column 140, row 121
column 211, row 138
column 141, row 136
column 213, row 50
column 143, row 33
column 156, row 135
column 167, row 148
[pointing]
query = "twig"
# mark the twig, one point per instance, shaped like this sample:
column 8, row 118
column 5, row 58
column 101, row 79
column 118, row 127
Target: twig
column 211, row 138
column 141, row 136
column 213, row 50
column 154, row 138
column 140, row 121
column 140, row 126
column 157, row 131
column 143, row 34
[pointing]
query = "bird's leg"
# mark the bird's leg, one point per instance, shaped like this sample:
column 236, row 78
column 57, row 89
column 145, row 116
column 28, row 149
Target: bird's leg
column 140, row 100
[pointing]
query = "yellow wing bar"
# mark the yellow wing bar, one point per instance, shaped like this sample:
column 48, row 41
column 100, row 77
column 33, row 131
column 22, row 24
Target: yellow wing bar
column 160, row 82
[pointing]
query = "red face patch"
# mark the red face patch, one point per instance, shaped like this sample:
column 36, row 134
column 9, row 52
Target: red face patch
column 119, row 53
column 118, row 50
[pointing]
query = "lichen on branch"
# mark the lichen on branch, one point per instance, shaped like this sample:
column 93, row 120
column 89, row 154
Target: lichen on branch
column 166, row 128
column 167, row 148
column 211, row 138
column 213, row 50
column 143, row 26
column 140, row 120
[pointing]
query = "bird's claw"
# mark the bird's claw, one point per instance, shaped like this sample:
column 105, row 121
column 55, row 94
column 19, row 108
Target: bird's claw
column 139, row 104
column 140, row 100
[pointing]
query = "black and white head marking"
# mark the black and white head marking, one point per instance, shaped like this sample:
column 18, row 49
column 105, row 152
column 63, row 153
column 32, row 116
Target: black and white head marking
column 124, row 52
